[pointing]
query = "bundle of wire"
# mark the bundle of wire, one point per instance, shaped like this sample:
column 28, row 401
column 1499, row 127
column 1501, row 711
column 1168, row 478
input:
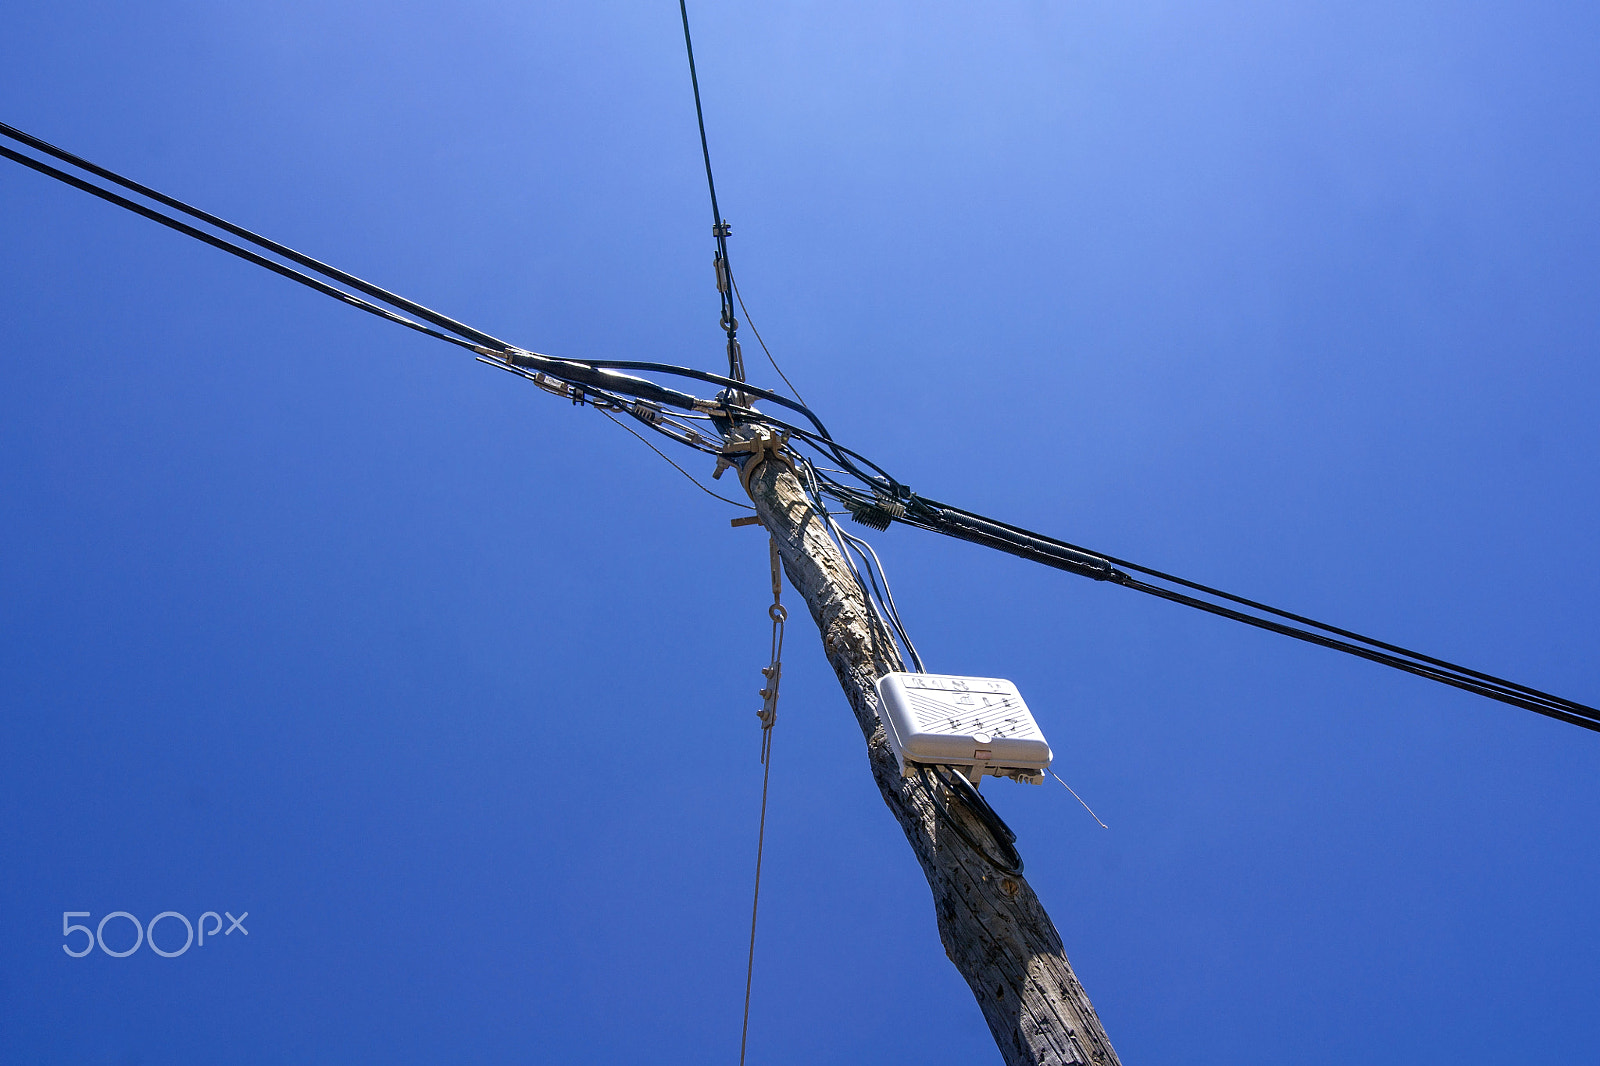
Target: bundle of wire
column 831, row 470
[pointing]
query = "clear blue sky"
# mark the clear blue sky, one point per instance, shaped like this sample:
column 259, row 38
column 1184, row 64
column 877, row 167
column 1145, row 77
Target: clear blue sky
column 450, row 685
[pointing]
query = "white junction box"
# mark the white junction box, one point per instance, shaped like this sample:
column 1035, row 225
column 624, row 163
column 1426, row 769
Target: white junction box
column 978, row 723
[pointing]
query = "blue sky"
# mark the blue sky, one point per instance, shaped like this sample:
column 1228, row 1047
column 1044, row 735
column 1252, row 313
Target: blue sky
column 451, row 685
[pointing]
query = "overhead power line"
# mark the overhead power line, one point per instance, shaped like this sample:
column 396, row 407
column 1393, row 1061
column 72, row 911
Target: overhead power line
column 317, row 266
column 720, row 230
column 227, row 246
column 871, row 495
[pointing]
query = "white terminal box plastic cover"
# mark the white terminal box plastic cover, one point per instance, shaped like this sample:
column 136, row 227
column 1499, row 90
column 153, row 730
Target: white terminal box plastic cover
column 960, row 721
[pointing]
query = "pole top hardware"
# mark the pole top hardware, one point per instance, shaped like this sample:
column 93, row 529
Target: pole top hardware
column 761, row 446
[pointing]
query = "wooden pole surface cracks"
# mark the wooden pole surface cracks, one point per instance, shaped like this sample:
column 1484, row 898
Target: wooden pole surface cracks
column 992, row 925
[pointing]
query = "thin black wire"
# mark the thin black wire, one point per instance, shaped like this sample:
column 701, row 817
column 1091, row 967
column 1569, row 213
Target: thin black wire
column 692, row 479
column 752, row 324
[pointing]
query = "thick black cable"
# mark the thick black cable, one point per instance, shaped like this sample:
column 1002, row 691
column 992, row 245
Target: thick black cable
column 582, row 373
column 595, row 379
column 1558, row 708
column 1004, row 838
column 1254, row 605
column 926, row 514
column 1105, row 568
column 821, row 439
column 719, row 226
column 599, row 377
column 699, row 115
column 228, row 246
column 823, row 443
column 444, row 322
column 411, row 307
column 972, row 527
column 987, row 532
column 718, row 379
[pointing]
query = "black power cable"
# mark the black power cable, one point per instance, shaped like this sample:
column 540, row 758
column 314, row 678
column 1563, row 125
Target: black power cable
column 720, row 229
column 594, row 375
column 229, row 247
column 317, row 266
column 951, row 521
column 880, row 500
column 1010, row 861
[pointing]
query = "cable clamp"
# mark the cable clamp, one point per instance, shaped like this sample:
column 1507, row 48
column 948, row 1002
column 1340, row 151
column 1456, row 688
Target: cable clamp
column 768, row 714
column 769, row 695
column 758, row 449
column 554, row 386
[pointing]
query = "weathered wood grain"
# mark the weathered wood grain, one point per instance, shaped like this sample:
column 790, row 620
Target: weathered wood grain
column 992, row 925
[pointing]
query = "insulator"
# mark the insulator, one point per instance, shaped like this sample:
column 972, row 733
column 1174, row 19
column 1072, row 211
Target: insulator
column 870, row 515
column 894, row 508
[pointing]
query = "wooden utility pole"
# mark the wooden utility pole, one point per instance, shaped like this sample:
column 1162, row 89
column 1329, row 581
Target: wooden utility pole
column 992, row 925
